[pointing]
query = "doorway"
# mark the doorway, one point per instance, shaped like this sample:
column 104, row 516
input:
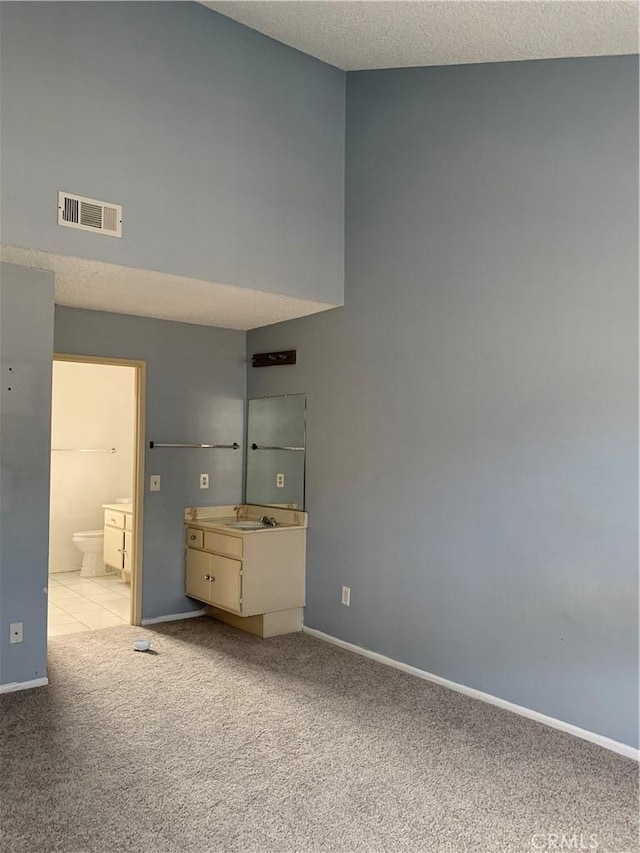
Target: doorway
column 95, row 527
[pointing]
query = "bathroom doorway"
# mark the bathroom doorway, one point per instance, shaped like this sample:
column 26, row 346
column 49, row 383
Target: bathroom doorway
column 95, row 523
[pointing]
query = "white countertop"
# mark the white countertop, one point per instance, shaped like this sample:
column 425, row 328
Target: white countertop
column 220, row 524
column 219, row 518
column 127, row 508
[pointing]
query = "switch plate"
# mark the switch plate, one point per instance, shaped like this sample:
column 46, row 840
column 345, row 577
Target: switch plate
column 279, row 481
column 204, row 481
column 15, row 632
column 154, row 483
column 346, row 596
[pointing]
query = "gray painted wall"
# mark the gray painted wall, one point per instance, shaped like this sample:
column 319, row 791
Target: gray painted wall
column 472, row 410
column 26, row 346
column 195, row 393
column 225, row 148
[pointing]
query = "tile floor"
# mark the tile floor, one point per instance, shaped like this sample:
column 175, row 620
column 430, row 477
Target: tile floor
column 83, row 604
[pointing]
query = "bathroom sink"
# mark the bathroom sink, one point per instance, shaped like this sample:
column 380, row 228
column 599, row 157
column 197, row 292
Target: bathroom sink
column 246, row 525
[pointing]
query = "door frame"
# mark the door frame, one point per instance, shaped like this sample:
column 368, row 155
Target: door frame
column 140, row 368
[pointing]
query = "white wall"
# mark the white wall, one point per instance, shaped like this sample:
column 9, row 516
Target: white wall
column 93, row 406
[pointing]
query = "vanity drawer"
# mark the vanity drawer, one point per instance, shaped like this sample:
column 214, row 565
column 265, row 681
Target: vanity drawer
column 114, row 519
column 229, row 545
column 194, row 538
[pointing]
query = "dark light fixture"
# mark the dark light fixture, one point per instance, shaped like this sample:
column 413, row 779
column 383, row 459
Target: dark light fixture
column 274, row 359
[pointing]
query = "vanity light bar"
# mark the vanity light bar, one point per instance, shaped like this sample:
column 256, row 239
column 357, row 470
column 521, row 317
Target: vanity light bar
column 234, row 446
column 273, row 359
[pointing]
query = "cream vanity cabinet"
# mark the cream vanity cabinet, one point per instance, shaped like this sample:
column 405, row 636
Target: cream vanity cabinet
column 252, row 579
column 118, row 537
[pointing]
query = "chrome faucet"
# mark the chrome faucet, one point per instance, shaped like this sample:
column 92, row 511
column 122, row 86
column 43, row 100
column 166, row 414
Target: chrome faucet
column 270, row 522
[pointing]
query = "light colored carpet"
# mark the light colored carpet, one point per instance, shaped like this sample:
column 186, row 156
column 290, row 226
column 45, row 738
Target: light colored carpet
column 223, row 742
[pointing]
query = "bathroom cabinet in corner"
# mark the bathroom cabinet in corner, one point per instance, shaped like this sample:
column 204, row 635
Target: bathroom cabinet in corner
column 248, row 573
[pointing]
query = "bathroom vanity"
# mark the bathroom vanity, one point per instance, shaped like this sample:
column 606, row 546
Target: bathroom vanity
column 249, row 574
column 118, row 538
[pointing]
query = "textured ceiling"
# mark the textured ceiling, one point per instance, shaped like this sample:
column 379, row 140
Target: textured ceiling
column 404, row 33
column 81, row 283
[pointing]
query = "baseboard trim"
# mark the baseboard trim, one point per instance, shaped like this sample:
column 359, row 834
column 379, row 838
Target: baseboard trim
column 14, row 686
column 173, row 617
column 552, row 722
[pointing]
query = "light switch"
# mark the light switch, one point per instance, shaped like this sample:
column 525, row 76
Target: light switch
column 154, row 483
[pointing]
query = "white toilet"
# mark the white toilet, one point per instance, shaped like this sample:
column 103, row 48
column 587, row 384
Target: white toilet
column 91, row 543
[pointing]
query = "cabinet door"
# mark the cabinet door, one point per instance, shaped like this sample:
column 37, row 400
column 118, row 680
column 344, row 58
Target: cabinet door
column 225, row 583
column 113, row 547
column 196, row 576
column 127, row 554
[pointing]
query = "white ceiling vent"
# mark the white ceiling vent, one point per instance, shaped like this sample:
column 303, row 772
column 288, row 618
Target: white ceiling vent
column 89, row 214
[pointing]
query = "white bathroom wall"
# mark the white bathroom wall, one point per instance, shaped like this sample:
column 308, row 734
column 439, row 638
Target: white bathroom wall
column 93, row 406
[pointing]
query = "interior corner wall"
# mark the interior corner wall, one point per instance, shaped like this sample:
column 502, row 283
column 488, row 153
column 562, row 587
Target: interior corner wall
column 472, row 420
column 224, row 147
column 195, row 393
column 26, row 349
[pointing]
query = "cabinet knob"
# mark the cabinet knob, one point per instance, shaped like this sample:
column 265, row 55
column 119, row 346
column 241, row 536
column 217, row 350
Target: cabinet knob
column 207, row 577
column 212, row 578
column 193, row 536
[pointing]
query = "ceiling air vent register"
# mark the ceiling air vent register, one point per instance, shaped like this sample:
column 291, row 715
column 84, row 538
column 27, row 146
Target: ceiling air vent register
column 89, row 214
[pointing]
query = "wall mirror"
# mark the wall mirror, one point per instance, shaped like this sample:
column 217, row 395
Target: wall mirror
column 276, row 451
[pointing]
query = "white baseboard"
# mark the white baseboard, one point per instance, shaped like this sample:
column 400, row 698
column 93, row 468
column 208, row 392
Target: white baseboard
column 13, row 686
column 173, row 617
column 576, row 731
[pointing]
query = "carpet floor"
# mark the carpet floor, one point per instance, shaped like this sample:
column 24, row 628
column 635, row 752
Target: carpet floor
column 219, row 741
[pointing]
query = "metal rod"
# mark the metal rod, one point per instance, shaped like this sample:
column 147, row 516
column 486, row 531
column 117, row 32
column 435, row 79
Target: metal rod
column 234, row 446
column 82, row 450
column 269, row 447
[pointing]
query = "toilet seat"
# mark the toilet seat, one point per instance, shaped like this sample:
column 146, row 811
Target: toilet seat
column 90, row 534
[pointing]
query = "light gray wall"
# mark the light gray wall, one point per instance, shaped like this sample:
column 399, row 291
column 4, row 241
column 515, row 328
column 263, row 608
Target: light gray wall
column 26, row 346
column 225, row 148
column 195, row 393
column 472, row 410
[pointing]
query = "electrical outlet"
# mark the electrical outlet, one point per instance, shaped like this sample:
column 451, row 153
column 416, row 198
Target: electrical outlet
column 204, row 481
column 15, row 632
column 279, row 481
column 346, row 596
column 154, row 483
